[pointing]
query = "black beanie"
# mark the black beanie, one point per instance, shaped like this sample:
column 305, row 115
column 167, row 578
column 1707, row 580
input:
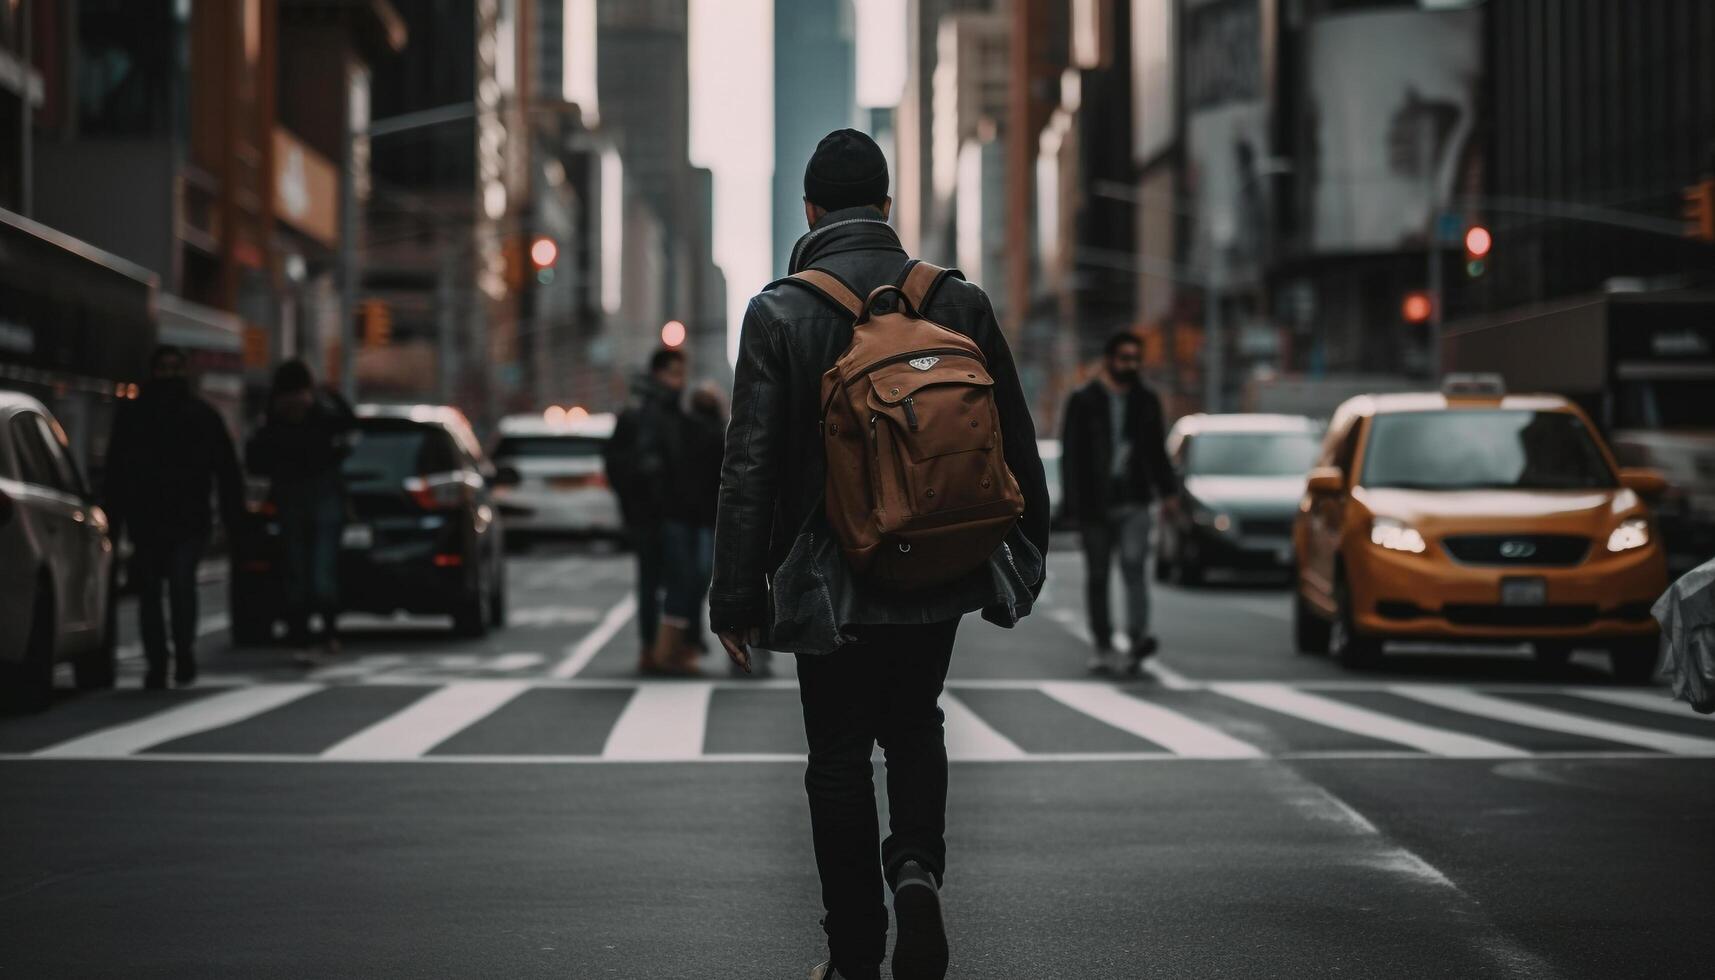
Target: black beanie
column 847, row 170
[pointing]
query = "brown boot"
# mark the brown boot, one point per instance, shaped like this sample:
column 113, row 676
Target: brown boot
column 668, row 651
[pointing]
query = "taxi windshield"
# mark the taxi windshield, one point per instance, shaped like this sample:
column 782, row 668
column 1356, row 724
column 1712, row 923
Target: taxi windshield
column 1484, row 450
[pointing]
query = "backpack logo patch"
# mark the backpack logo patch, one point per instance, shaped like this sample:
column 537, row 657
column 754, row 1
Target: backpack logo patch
column 924, row 363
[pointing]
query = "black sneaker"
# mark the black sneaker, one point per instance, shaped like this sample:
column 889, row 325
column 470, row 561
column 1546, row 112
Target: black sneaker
column 920, row 952
column 185, row 674
column 155, row 680
column 1142, row 648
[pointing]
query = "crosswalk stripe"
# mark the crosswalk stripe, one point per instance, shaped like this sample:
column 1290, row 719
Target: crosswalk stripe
column 428, row 721
column 582, row 652
column 1532, row 716
column 661, row 721
column 1370, row 724
column 1657, row 701
column 200, row 715
column 1145, row 719
column 970, row 739
column 519, row 660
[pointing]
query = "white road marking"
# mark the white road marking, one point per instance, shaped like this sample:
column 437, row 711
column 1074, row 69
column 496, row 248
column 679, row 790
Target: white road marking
column 552, row 616
column 426, row 723
column 582, row 652
column 969, row 738
column 1371, row 724
column 519, row 660
column 362, row 667
column 1658, row 701
column 1163, row 726
column 663, row 721
column 200, row 715
column 1532, row 716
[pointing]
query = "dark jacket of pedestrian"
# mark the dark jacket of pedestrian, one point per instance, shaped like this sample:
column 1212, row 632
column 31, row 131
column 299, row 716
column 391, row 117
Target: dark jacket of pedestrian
column 305, row 449
column 1087, row 445
column 169, row 453
column 772, row 478
column 644, row 452
column 703, row 446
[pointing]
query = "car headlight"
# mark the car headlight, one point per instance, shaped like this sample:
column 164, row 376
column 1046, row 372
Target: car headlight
column 1395, row 535
column 1633, row 532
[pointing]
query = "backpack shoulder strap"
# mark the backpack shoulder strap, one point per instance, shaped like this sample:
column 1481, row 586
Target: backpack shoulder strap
column 830, row 287
column 920, row 280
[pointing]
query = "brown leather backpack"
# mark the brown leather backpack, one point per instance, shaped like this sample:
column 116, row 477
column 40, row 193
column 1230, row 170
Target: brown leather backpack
column 918, row 491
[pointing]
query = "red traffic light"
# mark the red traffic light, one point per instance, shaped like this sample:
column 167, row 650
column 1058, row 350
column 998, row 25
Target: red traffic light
column 1417, row 306
column 543, row 252
column 1478, row 241
column 673, row 333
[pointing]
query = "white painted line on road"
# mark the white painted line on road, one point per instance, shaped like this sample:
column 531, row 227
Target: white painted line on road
column 518, row 660
column 200, row 715
column 1163, row 726
column 661, row 722
column 1370, row 724
column 1657, row 701
column 798, row 758
column 552, row 616
column 969, row 738
column 1532, row 716
column 427, row 722
column 206, row 626
column 582, row 652
column 362, row 667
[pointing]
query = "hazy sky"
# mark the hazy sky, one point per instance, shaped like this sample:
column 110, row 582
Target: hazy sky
column 732, row 122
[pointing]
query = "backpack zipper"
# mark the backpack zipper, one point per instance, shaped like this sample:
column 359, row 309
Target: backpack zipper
column 910, row 412
column 910, row 355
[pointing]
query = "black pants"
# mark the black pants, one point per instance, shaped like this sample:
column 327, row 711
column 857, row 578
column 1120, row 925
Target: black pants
column 884, row 688
column 172, row 562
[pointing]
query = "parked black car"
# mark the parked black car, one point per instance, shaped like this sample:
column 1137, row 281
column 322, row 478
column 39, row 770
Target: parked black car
column 422, row 534
column 1243, row 476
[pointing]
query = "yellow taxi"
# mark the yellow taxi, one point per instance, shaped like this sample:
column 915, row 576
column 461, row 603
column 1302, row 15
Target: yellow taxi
column 1475, row 515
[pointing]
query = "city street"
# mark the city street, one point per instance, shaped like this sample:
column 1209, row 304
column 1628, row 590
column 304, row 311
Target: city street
column 522, row 806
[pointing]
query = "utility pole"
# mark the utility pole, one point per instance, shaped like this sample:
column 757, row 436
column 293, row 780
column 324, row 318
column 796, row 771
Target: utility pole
column 26, row 163
column 1213, row 329
column 1432, row 240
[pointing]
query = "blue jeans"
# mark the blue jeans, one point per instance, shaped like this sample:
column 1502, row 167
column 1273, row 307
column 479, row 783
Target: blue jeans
column 312, row 515
column 687, row 553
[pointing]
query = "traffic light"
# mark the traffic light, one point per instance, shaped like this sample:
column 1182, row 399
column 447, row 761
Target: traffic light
column 1700, row 210
column 1478, row 241
column 543, row 254
column 377, row 321
column 1417, row 306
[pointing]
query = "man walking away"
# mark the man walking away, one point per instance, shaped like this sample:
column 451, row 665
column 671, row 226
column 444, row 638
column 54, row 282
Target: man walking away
column 299, row 448
column 168, row 451
column 1113, row 465
column 689, row 531
column 639, row 460
column 879, row 675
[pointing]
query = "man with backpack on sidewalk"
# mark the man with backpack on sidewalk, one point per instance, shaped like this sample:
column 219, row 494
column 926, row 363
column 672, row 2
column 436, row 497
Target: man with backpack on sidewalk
column 881, row 479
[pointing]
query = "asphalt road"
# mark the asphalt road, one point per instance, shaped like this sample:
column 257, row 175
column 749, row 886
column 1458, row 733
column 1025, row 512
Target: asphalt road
column 521, row 806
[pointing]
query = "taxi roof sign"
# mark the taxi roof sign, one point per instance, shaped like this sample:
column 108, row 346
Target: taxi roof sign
column 1473, row 385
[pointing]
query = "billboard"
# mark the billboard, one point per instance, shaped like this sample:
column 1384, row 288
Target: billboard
column 1389, row 114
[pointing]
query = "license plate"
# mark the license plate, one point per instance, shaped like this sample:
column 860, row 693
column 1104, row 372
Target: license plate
column 1523, row 592
column 357, row 536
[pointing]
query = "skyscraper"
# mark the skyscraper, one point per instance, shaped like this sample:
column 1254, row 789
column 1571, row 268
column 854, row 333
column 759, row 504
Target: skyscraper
column 815, row 92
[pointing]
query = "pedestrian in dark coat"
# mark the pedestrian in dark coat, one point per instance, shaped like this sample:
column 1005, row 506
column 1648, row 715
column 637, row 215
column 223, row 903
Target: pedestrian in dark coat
column 1113, row 467
column 640, row 460
column 300, row 447
column 873, row 662
column 168, row 454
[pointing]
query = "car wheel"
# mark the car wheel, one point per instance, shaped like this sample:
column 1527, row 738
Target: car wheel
column 1310, row 632
column 29, row 686
column 1634, row 661
column 96, row 669
column 1348, row 646
column 1552, row 654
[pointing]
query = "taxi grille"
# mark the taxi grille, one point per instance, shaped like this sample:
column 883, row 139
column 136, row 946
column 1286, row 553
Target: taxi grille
column 1266, row 527
column 1472, row 614
column 1517, row 549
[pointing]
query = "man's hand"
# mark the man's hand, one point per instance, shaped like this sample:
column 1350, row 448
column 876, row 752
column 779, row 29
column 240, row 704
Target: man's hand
column 737, row 644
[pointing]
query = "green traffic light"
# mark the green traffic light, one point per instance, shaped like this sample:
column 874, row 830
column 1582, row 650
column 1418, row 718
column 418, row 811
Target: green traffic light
column 1475, row 268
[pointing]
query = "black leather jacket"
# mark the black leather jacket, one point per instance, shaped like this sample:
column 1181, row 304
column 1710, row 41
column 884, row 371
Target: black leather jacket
column 773, row 471
column 1087, row 451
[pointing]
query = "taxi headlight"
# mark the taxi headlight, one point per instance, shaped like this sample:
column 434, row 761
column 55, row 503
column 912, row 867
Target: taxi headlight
column 1633, row 532
column 1395, row 535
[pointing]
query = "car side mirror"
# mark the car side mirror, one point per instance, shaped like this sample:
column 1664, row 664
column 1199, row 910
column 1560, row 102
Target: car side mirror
column 1643, row 481
column 507, row 476
column 1325, row 480
column 6, row 509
